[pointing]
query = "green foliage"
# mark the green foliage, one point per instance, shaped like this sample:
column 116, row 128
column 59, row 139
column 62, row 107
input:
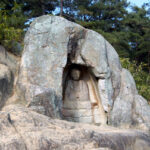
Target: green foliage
column 128, row 32
column 137, row 26
column 11, row 26
column 14, row 14
column 35, row 8
column 141, row 77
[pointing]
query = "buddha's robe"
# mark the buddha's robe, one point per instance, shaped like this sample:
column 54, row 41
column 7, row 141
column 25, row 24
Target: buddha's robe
column 80, row 103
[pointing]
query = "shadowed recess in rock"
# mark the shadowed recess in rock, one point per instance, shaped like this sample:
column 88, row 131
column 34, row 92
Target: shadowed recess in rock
column 81, row 99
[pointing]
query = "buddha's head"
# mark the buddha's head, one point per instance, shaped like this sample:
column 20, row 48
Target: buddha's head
column 75, row 74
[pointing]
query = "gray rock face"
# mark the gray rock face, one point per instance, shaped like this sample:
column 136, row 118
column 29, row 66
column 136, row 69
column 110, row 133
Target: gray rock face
column 52, row 46
column 9, row 60
column 23, row 129
column 142, row 112
column 130, row 109
column 8, row 69
column 123, row 106
column 115, row 70
column 6, row 83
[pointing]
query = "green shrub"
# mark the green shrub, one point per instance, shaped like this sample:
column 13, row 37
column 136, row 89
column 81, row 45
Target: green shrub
column 11, row 28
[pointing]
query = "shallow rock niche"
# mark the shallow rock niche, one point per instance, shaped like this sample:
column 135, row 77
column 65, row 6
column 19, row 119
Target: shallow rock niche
column 81, row 97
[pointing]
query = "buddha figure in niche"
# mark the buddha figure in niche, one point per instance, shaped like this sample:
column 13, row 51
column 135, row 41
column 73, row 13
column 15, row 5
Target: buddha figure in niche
column 81, row 99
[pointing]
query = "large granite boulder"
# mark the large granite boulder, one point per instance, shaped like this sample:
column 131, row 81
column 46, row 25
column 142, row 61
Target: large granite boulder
column 23, row 129
column 53, row 44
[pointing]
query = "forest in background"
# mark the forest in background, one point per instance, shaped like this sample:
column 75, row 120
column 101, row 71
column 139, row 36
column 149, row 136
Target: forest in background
column 126, row 27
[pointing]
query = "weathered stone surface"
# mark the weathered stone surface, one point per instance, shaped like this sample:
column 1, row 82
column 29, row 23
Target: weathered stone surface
column 9, row 60
column 123, row 106
column 21, row 128
column 115, row 69
column 6, row 84
column 106, row 93
column 142, row 112
column 97, row 59
column 52, row 45
column 8, row 75
column 130, row 109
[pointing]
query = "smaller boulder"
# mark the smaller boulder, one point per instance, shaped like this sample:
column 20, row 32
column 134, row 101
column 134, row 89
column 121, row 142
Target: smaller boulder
column 6, row 83
column 8, row 59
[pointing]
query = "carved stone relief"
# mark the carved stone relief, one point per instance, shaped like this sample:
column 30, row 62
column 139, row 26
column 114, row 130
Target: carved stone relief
column 82, row 101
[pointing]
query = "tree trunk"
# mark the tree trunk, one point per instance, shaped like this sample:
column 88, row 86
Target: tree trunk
column 61, row 7
column 43, row 7
column 149, row 62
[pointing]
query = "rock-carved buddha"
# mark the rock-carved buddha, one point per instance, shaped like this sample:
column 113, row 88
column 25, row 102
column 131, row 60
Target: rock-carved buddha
column 81, row 99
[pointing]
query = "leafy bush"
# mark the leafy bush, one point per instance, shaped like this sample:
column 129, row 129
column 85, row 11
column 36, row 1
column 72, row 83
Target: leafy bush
column 11, row 27
column 141, row 77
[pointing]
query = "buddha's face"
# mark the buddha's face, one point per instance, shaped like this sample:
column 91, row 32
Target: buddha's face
column 75, row 74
